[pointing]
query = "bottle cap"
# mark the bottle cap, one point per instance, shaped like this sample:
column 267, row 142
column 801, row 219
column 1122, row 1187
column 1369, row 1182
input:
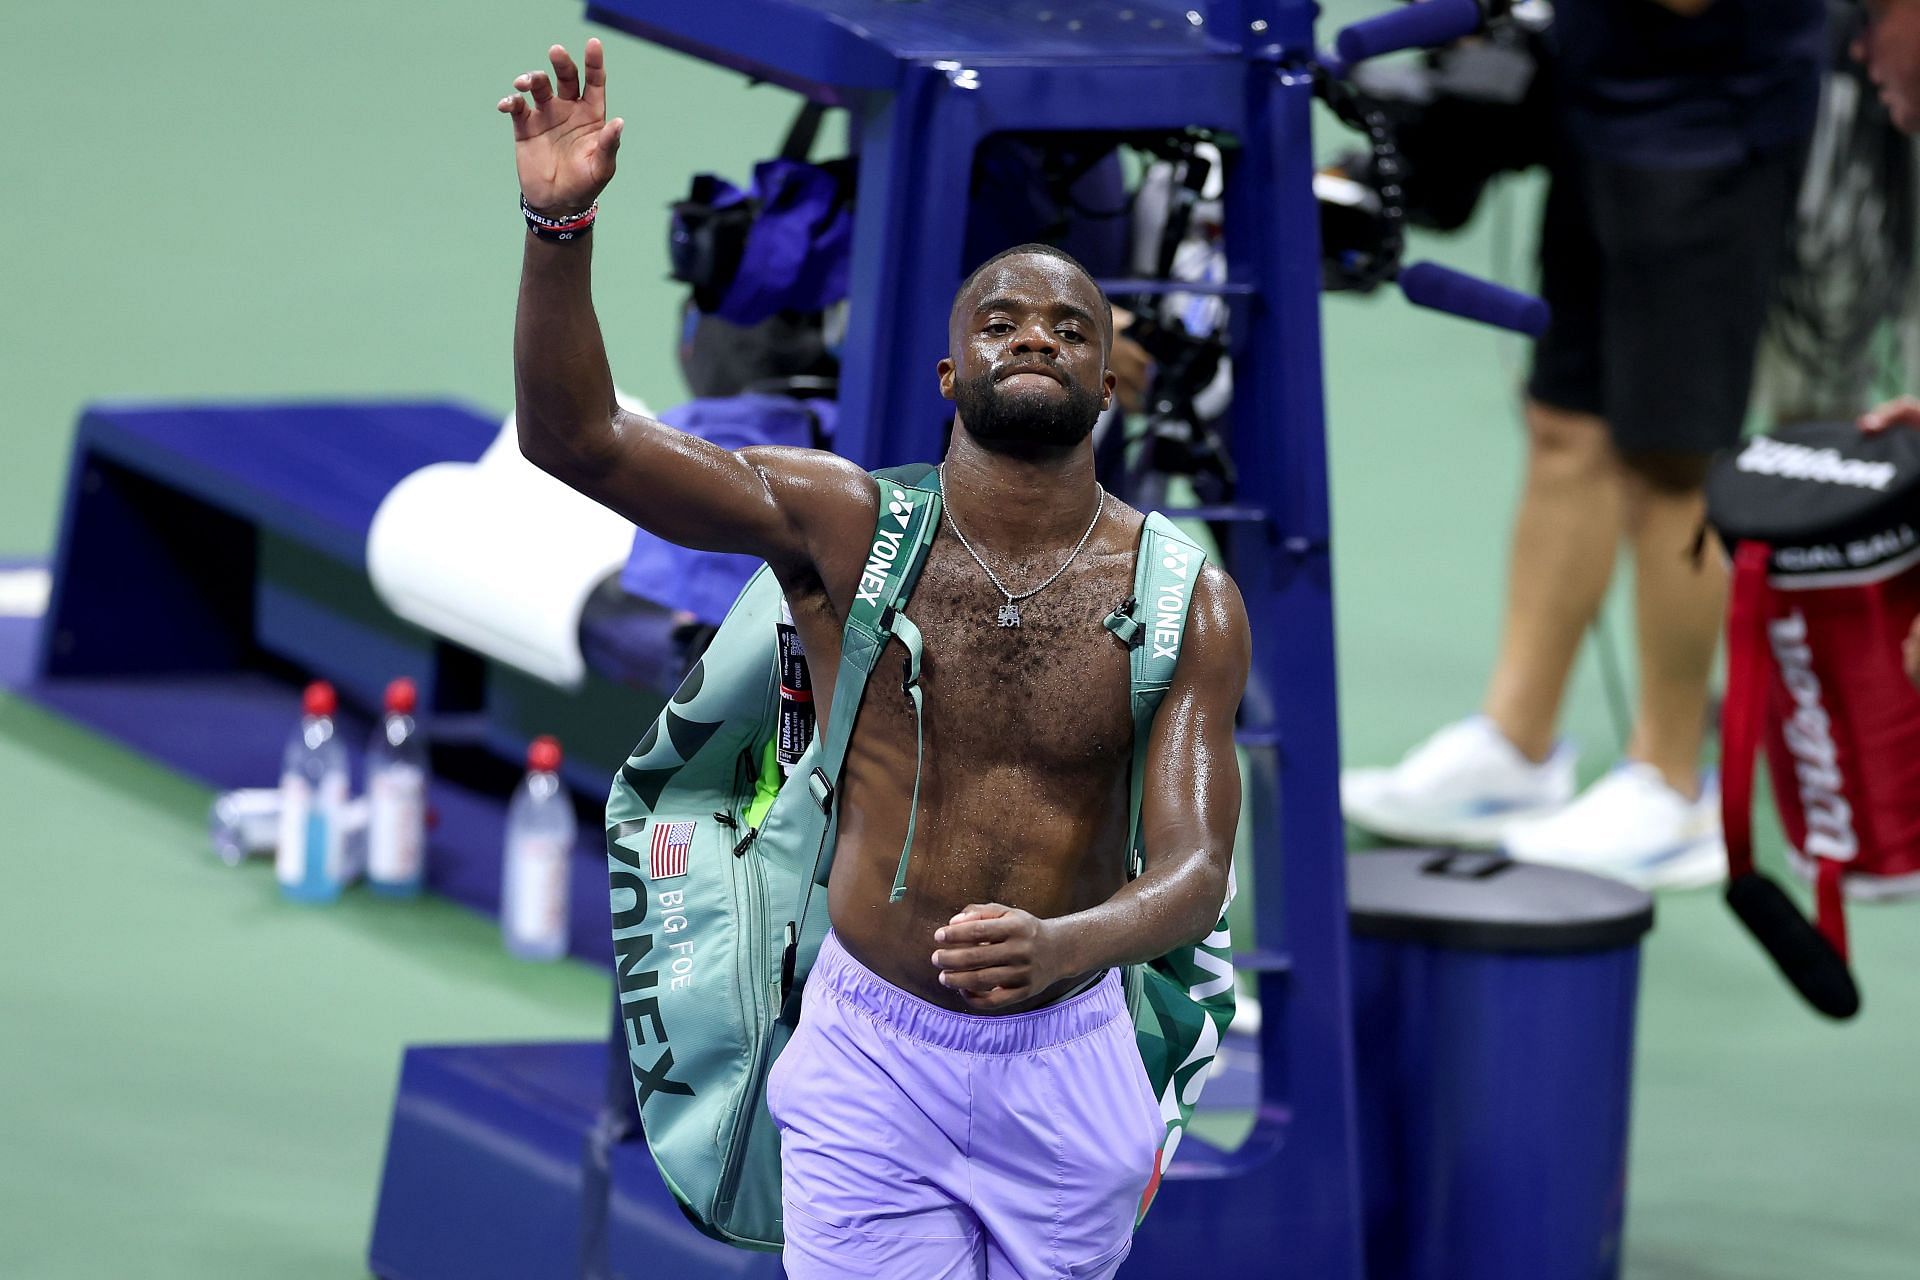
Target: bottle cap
column 543, row 753
column 402, row 697
column 319, row 699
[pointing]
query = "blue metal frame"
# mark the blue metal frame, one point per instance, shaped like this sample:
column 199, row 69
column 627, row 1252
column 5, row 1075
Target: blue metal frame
column 925, row 84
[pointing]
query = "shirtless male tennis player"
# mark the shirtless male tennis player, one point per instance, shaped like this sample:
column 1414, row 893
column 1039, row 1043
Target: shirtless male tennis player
column 963, row 1096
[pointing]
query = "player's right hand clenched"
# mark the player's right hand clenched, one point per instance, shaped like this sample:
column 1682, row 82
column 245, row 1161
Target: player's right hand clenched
column 563, row 143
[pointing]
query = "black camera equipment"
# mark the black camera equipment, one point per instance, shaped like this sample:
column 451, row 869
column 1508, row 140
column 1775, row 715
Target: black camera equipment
column 1439, row 128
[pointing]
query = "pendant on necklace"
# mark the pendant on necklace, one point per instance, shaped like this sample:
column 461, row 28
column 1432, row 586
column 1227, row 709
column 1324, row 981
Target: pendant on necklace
column 1009, row 614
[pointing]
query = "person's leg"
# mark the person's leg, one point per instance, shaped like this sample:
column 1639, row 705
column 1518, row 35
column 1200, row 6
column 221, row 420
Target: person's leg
column 872, row 1177
column 1566, row 533
column 1473, row 780
column 1695, row 256
column 1680, row 601
column 1565, row 536
column 1065, row 1135
column 1690, row 256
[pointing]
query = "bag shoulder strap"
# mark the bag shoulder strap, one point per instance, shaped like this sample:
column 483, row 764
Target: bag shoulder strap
column 902, row 535
column 1744, row 708
column 1153, row 621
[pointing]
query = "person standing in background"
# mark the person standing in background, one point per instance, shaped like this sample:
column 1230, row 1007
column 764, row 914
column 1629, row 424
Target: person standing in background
column 1889, row 48
column 1681, row 131
column 1904, row 412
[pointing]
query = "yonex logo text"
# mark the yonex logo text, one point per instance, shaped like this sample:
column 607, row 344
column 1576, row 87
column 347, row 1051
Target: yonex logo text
column 1170, row 606
column 873, row 579
column 639, row 1005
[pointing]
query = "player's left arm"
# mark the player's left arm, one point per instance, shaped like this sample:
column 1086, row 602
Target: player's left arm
column 1189, row 809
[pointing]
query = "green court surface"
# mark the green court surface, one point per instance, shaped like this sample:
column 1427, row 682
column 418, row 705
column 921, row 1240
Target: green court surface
column 194, row 1078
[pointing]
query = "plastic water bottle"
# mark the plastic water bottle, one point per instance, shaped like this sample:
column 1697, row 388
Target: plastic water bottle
column 311, row 857
column 539, row 845
column 397, row 797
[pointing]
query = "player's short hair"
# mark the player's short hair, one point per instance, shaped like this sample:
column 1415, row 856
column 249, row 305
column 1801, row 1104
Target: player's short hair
column 1041, row 250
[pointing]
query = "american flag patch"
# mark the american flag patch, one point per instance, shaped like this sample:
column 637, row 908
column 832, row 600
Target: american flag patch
column 671, row 840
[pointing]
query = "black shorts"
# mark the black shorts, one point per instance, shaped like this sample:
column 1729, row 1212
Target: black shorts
column 1659, row 280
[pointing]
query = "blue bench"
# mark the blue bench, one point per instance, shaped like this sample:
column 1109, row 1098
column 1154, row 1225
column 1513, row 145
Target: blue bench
column 230, row 539
column 166, row 504
column 213, row 558
column 496, row 1168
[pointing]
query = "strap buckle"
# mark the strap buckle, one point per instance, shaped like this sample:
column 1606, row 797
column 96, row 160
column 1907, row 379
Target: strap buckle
column 789, row 955
column 820, row 787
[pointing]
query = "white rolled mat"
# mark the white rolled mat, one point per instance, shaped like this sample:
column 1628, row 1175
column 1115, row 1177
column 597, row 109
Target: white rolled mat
column 498, row 556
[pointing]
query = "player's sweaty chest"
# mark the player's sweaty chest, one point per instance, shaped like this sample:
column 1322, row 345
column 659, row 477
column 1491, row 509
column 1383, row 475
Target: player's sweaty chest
column 1051, row 694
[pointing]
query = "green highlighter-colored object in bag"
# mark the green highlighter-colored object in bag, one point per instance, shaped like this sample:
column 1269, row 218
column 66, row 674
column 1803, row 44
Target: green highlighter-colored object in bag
column 715, row 922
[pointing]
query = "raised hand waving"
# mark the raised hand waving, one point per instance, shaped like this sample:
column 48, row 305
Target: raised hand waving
column 563, row 144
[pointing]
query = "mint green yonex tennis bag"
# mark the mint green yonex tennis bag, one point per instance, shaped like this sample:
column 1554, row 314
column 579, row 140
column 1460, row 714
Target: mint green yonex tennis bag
column 713, row 858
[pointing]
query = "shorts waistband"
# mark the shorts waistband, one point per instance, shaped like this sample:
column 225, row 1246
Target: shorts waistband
column 854, row 984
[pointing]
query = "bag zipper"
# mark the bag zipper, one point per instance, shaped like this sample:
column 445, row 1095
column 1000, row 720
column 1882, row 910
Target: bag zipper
column 739, row 1139
column 754, row 999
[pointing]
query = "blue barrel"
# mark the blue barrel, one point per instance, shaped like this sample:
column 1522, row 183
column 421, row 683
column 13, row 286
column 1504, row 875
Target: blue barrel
column 1493, row 1007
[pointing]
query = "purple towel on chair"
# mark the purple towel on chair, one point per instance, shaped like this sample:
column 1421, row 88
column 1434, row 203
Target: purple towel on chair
column 704, row 583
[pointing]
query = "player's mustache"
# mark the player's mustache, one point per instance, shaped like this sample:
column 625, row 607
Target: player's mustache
column 1008, row 371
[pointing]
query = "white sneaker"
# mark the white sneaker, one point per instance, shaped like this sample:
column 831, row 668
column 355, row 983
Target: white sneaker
column 1465, row 785
column 1634, row 827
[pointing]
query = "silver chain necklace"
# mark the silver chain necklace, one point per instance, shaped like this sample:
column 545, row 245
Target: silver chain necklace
column 1009, row 615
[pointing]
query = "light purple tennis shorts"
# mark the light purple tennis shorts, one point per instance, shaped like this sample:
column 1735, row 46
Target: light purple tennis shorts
column 920, row 1143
